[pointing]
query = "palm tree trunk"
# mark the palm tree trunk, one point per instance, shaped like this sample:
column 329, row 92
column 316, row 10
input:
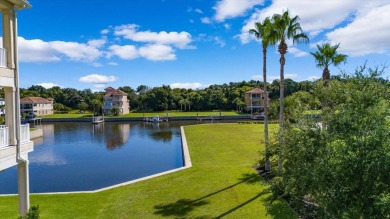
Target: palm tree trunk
column 282, row 48
column 267, row 162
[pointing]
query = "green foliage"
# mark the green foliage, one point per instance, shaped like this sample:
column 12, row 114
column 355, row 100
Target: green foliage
column 115, row 111
column 342, row 164
column 33, row 213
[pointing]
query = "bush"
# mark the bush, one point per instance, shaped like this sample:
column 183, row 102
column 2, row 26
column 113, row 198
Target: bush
column 33, row 213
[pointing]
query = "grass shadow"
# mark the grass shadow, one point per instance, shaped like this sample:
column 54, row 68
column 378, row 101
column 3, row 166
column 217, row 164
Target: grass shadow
column 182, row 207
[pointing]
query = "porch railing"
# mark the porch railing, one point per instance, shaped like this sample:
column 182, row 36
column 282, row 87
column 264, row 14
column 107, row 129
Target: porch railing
column 25, row 133
column 4, row 136
column 3, row 57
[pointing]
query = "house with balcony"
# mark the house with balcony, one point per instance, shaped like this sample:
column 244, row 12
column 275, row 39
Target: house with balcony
column 115, row 99
column 36, row 106
column 255, row 100
column 15, row 141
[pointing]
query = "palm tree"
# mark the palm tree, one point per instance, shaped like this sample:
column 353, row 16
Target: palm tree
column 326, row 56
column 285, row 28
column 262, row 31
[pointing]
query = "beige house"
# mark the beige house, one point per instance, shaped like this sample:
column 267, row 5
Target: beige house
column 255, row 99
column 115, row 99
column 15, row 141
column 37, row 106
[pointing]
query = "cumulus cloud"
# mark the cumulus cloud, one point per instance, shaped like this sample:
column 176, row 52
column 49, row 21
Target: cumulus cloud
column 157, row 52
column 98, row 79
column 113, row 63
column 126, row 52
column 225, row 9
column 76, row 51
column 36, row 50
column 219, row 41
column 198, row 11
column 178, row 39
column 369, row 33
column 193, row 86
column 97, row 43
column 48, row 85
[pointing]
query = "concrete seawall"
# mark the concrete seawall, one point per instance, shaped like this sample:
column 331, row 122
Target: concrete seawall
column 140, row 119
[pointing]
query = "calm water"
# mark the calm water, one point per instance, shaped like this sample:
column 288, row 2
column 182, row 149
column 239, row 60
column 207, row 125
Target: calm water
column 83, row 156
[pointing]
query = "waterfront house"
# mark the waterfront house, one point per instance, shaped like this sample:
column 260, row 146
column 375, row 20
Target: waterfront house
column 115, row 99
column 255, row 100
column 15, row 141
column 36, row 106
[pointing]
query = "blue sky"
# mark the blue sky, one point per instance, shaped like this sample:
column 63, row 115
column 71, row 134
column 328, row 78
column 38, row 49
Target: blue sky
column 186, row 43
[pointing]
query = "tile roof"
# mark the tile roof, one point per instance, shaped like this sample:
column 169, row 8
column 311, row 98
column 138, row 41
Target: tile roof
column 34, row 100
column 111, row 91
column 255, row 91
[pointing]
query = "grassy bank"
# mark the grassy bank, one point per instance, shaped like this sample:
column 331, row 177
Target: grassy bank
column 221, row 184
column 148, row 114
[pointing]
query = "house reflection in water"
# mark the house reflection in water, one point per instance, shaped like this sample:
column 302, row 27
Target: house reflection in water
column 115, row 134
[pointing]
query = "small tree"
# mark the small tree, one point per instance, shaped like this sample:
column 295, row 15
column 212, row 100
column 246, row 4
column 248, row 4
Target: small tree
column 82, row 106
column 115, row 111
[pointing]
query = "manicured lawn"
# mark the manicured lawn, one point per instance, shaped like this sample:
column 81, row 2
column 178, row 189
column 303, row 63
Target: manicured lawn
column 151, row 114
column 221, row 184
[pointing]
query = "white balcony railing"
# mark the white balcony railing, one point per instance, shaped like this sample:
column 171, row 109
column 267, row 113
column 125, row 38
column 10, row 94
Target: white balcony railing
column 3, row 57
column 25, row 133
column 4, row 136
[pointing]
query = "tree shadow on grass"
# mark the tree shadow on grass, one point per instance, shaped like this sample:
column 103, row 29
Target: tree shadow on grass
column 279, row 208
column 182, row 207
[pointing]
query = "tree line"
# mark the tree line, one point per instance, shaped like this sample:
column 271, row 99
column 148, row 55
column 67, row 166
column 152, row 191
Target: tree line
column 144, row 98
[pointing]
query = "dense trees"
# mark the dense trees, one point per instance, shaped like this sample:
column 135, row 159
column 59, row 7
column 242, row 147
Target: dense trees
column 342, row 166
column 215, row 97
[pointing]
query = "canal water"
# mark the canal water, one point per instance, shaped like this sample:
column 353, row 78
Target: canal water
column 84, row 157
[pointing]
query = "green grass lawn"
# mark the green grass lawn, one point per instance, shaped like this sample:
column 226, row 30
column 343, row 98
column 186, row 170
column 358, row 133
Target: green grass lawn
column 74, row 114
column 221, row 184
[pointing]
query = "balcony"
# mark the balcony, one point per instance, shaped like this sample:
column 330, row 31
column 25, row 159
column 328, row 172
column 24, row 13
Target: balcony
column 4, row 135
column 3, row 58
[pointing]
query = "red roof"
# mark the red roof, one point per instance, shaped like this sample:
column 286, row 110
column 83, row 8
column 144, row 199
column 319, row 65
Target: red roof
column 111, row 91
column 255, row 91
column 34, row 100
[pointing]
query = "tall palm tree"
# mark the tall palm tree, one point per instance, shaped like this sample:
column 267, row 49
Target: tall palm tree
column 285, row 28
column 262, row 31
column 326, row 56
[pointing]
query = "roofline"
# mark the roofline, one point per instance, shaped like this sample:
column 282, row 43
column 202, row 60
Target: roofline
column 21, row 3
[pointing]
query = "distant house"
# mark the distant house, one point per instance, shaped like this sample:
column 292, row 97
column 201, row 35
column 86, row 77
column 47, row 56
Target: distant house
column 115, row 99
column 2, row 106
column 36, row 106
column 255, row 100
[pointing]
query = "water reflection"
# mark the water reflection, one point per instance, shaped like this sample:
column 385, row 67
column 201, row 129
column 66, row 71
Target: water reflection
column 115, row 135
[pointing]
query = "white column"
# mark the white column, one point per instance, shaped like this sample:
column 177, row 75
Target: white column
column 23, row 188
column 8, row 35
column 10, row 110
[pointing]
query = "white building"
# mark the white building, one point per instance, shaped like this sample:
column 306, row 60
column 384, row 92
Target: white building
column 115, row 99
column 15, row 141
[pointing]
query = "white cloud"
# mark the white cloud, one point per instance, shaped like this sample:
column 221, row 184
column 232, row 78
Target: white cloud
column 104, row 31
column 233, row 8
column 36, row 50
column 227, row 26
column 219, row 41
column 126, row 52
column 97, row 64
column 113, row 63
column 205, row 20
column 76, row 51
column 369, row 33
column 315, row 16
column 97, row 43
column 193, row 86
column 157, row 52
column 98, row 79
column 48, row 85
column 198, row 11
column 297, row 52
column 178, row 39
column 313, row 78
